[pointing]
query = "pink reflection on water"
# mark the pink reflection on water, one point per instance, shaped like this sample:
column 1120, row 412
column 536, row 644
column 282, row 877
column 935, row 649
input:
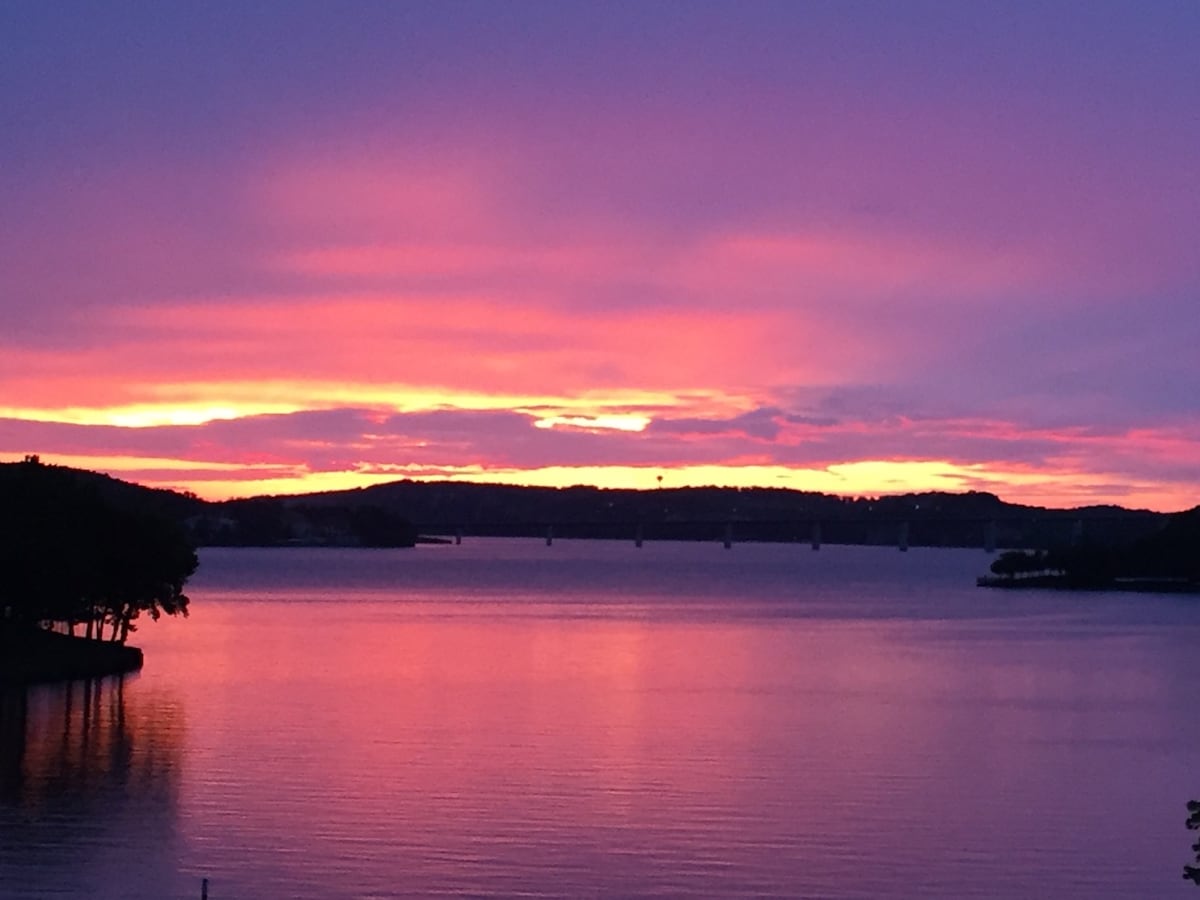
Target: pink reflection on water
column 356, row 728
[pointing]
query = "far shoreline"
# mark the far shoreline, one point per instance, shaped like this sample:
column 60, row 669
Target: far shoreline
column 1066, row 583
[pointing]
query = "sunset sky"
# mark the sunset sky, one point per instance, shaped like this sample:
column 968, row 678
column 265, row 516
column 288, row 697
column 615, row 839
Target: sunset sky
column 859, row 248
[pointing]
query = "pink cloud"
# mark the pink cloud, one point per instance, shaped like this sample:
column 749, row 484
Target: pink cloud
column 1017, row 462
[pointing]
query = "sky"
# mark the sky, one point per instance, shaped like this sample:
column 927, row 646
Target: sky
column 852, row 247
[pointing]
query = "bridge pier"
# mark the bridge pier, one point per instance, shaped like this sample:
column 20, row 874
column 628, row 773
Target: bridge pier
column 549, row 535
column 903, row 537
column 458, row 537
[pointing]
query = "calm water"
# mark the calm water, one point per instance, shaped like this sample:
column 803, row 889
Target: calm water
column 589, row 719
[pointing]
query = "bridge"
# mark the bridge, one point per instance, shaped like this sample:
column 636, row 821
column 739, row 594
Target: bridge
column 1053, row 529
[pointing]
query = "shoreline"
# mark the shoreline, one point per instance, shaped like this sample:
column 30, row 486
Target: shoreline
column 32, row 655
column 1066, row 583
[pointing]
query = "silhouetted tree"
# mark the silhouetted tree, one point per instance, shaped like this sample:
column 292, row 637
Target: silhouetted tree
column 70, row 558
column 1192, row 873
column 143, row 567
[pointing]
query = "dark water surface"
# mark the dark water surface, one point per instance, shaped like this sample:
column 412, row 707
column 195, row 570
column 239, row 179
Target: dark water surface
column 589, row 719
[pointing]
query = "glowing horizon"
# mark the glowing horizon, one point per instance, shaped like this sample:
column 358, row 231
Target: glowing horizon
column 869, row 478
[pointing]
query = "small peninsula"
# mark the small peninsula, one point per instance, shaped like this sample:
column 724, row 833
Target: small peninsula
column 77, row 570
column 1167, row 561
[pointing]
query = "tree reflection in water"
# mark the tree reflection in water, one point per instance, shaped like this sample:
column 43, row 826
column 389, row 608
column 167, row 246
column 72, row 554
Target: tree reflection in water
column 89, row 787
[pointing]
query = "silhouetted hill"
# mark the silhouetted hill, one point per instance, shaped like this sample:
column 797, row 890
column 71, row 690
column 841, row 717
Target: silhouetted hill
column 292, row 521
column 704, row 513
column 125, row 495
column 393, row 514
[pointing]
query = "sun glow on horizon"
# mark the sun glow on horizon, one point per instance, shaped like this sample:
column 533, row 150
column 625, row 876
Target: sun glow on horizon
column 217, row 481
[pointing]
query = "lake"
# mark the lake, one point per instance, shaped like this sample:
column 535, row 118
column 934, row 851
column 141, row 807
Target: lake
column 592, row 719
